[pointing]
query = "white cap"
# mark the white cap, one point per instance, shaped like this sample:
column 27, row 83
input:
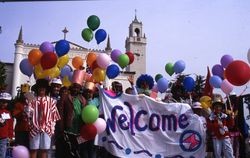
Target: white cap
column 5, row 96
column 196, row 105
column 56, row 81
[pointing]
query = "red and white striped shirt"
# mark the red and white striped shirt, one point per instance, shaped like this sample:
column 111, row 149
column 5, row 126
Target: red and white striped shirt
column 44, row 114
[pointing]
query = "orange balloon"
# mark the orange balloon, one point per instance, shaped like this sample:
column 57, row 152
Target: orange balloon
column 77, row 62
column 34, row 56
column 91, row 57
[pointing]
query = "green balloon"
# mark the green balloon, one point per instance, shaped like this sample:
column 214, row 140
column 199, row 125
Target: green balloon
column 123, row 60
column 87, row 34
column 90, row 114
column 93, row 22
column 157, row 77
column 169, row 67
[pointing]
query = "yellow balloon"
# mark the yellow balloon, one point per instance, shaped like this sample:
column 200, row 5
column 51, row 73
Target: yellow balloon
column 62, row 61
column 39, row 73
column 65, row 81
column 98, row 74
column 206, row 100
column 52, row 72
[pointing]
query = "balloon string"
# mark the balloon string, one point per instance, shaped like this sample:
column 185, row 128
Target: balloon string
column 244, row 90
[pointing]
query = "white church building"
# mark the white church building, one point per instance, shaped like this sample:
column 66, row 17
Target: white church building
column 135, row 43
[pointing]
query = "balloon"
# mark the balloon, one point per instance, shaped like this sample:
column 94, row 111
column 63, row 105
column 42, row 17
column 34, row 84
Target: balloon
column 131, row 57
column 215, row 81
column 62, row 47
column 25, row 67
column 48, row 60
column 179, row 66
column 157, row 77
column 63, row 60
column 169, row 68
column 94, row 66
column 162, row 85
column 100, row 35
column 226, row 60
column 46, row 47
column 52, row 73
column 155, row 88
column 238, row 73
column 38, row 71
column 103, row 60
column 20, row 152
column 226, row 87
column 115, row 54
column 93, row 22
column 123, row 60
column 66, row 70
column 77, row 62
column 188, row 83
column 87, row 34
column 218, row 70
column 112, row 71
column 100, row 125
column 91, row 57
column 98, row 74
column 66, row 82
column 90, row 113
column 206, row 101
column 248, row 56
column 88, row 131
column 34, row 56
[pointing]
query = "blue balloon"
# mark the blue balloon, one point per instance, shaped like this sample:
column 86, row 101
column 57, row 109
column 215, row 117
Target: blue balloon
column 189, row 83
column 179, row 66
column 100, row 35
column 62, row 47
column 25, row 67
column 162, row 85
column 215, row 81
column 112, row 71
column 66, row 71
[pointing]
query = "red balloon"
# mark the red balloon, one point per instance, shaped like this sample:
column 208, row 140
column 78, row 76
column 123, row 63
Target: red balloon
column 94, row 65
column 131, row 57
column 238, row 73
column 48, row 60
column 88, row 131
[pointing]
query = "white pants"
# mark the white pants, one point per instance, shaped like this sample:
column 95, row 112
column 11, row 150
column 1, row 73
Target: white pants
column 225, row 145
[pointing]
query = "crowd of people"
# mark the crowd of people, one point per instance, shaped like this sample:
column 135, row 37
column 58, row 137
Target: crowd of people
column 49, row 117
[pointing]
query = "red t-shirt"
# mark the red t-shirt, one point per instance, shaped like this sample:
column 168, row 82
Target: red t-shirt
column 6, row 125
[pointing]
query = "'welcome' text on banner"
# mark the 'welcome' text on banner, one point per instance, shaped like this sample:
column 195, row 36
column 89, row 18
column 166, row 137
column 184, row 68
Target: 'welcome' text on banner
column 141, row 127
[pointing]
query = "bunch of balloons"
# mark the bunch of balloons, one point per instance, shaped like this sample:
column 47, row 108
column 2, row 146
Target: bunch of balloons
column 229, row 73
column 93, row 23
column 122, row 59
column 47, row 61
column 93, row 125
column 178, row 67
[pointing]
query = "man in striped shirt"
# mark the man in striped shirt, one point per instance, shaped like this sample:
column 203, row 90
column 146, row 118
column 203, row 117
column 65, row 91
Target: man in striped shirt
column 43, row 116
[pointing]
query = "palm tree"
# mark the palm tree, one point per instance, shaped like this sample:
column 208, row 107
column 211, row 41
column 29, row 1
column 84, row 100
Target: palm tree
column 2, row 76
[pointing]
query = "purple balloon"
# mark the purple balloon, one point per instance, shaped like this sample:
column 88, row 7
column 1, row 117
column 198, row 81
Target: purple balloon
column 66, row 71
column 179, row 66
column 215, row 81
column 20, row 152
column 162, row 85
column 218, row 70
column 25, row 67
column 226, row 60
column 115, row 54
column 46, row 47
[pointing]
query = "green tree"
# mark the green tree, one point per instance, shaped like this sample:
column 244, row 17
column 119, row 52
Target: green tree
column 2, row 76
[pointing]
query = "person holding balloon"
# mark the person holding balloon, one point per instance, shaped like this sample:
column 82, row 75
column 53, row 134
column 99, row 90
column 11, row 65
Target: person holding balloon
column 72, row 106
column 6, row 123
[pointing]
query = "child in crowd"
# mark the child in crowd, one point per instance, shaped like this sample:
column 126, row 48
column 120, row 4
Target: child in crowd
column 6, row 123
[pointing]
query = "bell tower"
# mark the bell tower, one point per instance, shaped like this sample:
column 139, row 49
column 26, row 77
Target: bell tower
column 136, row 43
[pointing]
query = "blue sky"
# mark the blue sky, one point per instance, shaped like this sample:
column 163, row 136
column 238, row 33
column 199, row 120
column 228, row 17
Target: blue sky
column 197, row 32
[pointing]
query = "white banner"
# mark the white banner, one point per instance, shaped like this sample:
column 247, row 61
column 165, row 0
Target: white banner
column 141, row 127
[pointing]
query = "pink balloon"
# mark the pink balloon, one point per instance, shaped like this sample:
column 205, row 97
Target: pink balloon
column 226, row 87
column 20, row 152
column 155, row 88
column 100, row 125
column 103, row 60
